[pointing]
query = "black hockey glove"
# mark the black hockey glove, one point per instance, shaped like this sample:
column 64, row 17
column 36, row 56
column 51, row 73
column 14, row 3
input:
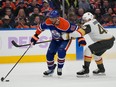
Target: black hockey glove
column 81, row 41
column 34, row 39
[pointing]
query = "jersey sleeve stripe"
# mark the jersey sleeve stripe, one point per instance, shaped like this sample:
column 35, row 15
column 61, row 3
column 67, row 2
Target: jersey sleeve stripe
column 80, row 39
column 68, row 45
column 81, row 31
column 35, row 38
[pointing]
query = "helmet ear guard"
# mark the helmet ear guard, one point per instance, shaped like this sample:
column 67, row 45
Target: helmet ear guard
column 54, row 14
column 87, row 16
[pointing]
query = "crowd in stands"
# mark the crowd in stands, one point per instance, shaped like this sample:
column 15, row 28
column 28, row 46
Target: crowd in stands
column 30, row 13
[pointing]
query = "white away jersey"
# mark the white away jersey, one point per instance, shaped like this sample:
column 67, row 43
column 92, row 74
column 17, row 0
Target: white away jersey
column 97, row 33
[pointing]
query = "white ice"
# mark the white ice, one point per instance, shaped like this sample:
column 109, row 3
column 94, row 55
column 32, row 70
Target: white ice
column 31, row 75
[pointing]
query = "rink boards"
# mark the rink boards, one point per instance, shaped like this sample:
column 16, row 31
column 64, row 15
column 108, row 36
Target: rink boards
column 37, row 53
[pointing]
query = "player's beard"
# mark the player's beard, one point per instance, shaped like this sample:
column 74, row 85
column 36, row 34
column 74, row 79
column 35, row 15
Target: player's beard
column 56, row 22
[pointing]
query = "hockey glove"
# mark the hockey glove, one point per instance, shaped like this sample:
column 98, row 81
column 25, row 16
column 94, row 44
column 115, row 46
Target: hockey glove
column 34, row 39
column 81, row 41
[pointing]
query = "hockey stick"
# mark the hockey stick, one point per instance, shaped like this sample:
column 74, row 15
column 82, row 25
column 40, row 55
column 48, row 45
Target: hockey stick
column 3, row 78
column 17, row 45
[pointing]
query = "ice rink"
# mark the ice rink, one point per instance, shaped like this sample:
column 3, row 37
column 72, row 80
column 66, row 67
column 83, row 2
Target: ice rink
column 31, row 75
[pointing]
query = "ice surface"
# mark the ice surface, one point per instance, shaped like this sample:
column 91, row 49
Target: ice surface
column 31, row 75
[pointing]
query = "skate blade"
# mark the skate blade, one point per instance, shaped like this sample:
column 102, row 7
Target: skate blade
column 50, row 75
column 81, row 76
column 59, row 76
column 100, row 74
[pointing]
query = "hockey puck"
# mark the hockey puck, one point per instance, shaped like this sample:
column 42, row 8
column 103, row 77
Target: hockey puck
column 2, row 79
column 7, row 80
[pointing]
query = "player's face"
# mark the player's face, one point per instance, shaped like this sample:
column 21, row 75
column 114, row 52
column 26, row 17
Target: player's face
column 53, row 20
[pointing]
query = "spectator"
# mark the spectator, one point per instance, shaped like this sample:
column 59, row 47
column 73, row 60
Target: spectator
column 7, row 4
column 22, row 23
column 36, row 22
column 71, row 9
column 72, row 18
column 10, row 14
column 98, row 14
column 80, row 13
column 114, row 20
column 35, row 13
column 114, row 10
column 106, row 20
column 7, row 22
column 85, row 5
column 106, row 5
column 46, row 8
column 21, row 15
column 21, row 5
column 32, row 5
column 110, row 12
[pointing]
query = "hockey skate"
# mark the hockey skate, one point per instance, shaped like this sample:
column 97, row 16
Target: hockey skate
column 50, row 72
column 84, row 72
column 99, row 72
column 59, row 71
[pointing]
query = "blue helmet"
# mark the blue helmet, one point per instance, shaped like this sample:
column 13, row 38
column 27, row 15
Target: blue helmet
column 54, row 14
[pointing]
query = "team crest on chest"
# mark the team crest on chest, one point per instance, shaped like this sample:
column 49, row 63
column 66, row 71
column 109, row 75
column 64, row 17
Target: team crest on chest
column 55, row 34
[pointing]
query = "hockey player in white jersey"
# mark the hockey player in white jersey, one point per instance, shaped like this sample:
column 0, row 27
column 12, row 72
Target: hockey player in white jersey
column 102, row 42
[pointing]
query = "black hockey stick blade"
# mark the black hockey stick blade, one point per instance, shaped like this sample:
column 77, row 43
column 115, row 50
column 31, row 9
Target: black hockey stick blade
column 17, row 45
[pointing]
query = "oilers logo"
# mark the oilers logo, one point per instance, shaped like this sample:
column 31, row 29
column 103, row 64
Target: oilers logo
column 55, row 34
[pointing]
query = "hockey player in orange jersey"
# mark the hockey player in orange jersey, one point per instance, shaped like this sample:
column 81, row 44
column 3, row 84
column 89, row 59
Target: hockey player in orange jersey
column 57, row 25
